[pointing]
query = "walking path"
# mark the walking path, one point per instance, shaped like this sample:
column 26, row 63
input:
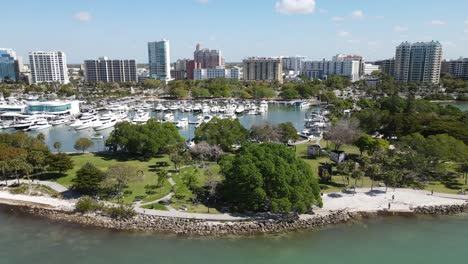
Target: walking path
column 400, row 200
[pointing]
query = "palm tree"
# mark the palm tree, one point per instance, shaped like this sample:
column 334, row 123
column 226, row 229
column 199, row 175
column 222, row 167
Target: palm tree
column 57, row 146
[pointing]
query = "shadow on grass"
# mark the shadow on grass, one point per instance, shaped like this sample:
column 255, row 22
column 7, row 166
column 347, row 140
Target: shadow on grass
column 451, row 182
column 47, row 176
column 122, row 157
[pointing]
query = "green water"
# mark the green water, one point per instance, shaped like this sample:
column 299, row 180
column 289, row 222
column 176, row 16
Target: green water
column 390, row 240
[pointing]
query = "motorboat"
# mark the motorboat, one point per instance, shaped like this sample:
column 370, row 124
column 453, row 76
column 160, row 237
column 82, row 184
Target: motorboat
column 182, row 123
column 160, row 107
column 168, row 118
column 60, row 121
column 25, row 123
column 240, row 109
column 140, row 118
column 86, row 123
column 40, row 124
column 215, row 109
column 301, row 105
column 197, row 108
column 207, row 118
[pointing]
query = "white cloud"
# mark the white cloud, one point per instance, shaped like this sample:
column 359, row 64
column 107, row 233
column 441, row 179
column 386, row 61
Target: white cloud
column 437, row 23
column 466, row 22
column 354, row 41
column 83, row 16
column 343, row 34
column 357, row 14
column 203, row 1
column 291, row 7
column 466, row 31
column 400, row 28
column 337, row 19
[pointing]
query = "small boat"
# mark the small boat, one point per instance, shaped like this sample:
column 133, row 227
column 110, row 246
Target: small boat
column 97, row 137
column 301, row 105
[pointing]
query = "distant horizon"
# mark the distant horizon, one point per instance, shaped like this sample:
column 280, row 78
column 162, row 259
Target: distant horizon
column 315, row 29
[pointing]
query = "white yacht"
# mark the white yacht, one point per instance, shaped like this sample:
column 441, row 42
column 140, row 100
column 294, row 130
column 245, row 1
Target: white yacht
column 240, row 109
column 60, row 121
column 182, row 123
column 159, row 108
column 197, row 108
column 25, row 123
column 89, row 123
column 168, row 118
column 301, row 105
column 215, row 109
column 39, row 125
column 140, row 117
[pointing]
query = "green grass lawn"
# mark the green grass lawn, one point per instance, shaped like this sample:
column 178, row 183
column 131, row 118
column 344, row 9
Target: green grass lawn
column 137, row 188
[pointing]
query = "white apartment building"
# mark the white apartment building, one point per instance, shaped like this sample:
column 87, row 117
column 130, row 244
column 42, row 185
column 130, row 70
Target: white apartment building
column 204, row 74
column 48, row 66
column 370, row 68
column 293, row 63
column 324, row 69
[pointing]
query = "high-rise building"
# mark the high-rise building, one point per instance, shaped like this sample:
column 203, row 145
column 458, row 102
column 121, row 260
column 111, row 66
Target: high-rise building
column 159, row 60
column 386, row 66
column 208, row 58
column 9, row 66
column 48, row 66
column 263, row 69
column 191, row 66
column 105, row 70
column 324, row 69
column 341, row 57
column 418, row 62
column 204, row 74
column 459, row 68
column 293, row 63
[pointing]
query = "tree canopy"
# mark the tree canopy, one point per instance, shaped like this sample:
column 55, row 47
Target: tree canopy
column 222, row 132
column 268, row 177
column 148, row 140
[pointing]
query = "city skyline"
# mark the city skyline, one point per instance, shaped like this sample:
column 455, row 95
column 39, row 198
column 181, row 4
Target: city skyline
column 316, row 29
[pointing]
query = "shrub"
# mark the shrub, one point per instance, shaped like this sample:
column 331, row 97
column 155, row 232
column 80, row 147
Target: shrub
column 87, row 204
column 121, row 211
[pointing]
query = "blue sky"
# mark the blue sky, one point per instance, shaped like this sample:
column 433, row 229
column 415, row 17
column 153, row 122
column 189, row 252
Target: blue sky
column 313, row 28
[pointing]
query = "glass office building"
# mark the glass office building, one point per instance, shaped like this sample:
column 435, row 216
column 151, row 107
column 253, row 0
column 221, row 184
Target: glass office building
column 159, row 60
column 8, row 66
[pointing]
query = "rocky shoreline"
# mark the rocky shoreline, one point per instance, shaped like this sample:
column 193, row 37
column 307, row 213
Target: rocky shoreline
column 170, row 225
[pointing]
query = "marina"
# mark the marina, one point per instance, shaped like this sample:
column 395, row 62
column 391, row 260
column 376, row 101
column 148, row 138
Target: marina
column 97, row 121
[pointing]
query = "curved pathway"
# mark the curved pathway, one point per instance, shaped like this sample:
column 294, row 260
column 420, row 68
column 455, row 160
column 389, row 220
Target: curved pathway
column 400, row 200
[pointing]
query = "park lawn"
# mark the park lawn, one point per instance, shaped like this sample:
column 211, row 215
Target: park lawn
column 137, row 188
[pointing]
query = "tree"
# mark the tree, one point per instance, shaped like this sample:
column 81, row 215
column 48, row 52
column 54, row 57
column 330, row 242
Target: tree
column 40, row 136
column 268, row 177
column 57, row 145
column 60, row 162
column 364, row 143
column 177, row 159
column 287, row 132
column 190, row 179
column 146, row 140
column 163, row 176
column 204, row 151
column 88, row 179
column 82, row 144
column 264, row 133
column 464, row 170
column 222, row 132
column 118, row 177
column 344, row 132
